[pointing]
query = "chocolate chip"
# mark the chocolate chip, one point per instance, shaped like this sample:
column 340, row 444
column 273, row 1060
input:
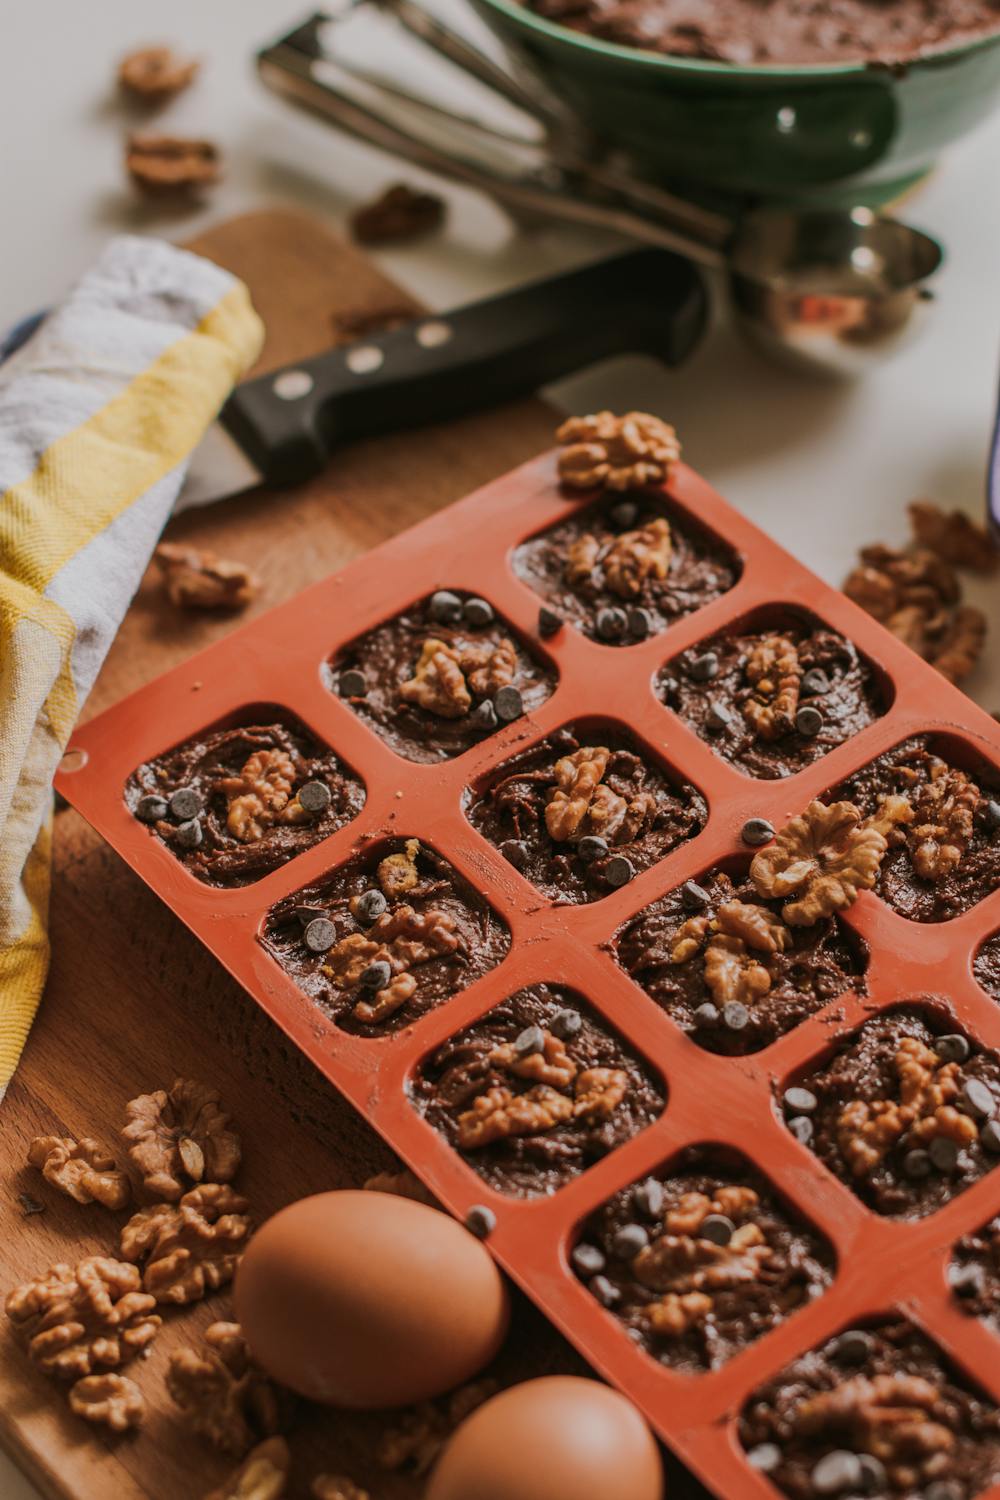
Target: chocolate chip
column 306, row 914
column 952, row 1048
column 604, row 1290
column 528, row 1041
column 799, row 1101
column 836, row 1472
column 484, row 715
column 704, row 667
column 695, row 896
column 718, row 717
column 611, row 623
column 376, row 976
column 978, row 1099
column 315, row 797
column 624, row 514
column 989, row 1137
column 873, row 1476
column 802, row 1128
column 966, row 1281
column 508, row 704
column 185, row 804
column 648, row 1198
column 757, row 831
column 814, row 682
column 189, row 835
column 514, row 851
column 151, row 809
column 670, row 686
column 809, row 722
column 477, row 612
column 735, row 1015
column 587, row 1260
column 916, row 1165
column 706, row 1015
column 591, row 846
column 369, row 906
column 943, row 1153
column 853, row 1347
column 640, row 622
column 629, row 1240
column 480, row 1221
column 765, row 1458
column 991, row 815
column 566, row 1024
column 352, row 684
column 320, row 935
column 716, row 1228
column 618, row 870
column 549, row 623
column 445, row 607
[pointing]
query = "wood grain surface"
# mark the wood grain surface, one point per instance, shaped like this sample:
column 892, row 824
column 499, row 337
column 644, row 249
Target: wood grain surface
column 134, row 1001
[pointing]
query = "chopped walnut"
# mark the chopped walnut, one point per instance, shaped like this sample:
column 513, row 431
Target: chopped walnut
column 489, row 668
column 80, row 1321
column 732, row 974
column 195, row 579
column 674, row 1313
column 690, row 938
column 400, row 213
column 774, row 673
column 263, row 1475
column 957, row 652
column 552, row 1065
column 403, row 1184
column 221, row 1393
column 889, row 817
column 402, row 938
column 581, row 560
column 415, row 1442
column 825, row 857
column 183, row 1133
column 190, row 1248
column 387, row 1001
column 688, row 1213
column 113, row 1400
column 171, row 164
column 868, row 1130
column 81, row 1169
column 599, row 1091
column 498, row 1114
column 888, row 1416
column 686, row 1269
column 622, row 453
column 336, row 1487
column 260, row 795
column 636, row 556
column 578, row 777
column 397, row 873
column 953, row 536
column 155, row 73
column 944, row 811
column 437, row 684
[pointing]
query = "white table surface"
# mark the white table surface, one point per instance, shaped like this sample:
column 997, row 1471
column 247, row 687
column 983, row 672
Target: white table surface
column 823, row 467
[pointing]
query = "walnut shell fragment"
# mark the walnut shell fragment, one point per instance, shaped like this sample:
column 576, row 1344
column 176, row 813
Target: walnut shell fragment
column 190, row 1248
column 263, row 1474
column 621, row 453
column 82, row 1170
column 198, row 579
column 111, row 1400
column 825, row 858
column 180, row 1134
column 83, row 1320
column 166, row 164
column 153, row 74
column 222, row 1395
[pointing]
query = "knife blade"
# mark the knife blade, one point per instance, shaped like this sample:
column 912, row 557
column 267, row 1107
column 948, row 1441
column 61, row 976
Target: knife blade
column 283, row 427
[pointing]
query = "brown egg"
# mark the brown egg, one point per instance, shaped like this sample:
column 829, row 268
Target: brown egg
column 551, row 1439
column 366, row 1300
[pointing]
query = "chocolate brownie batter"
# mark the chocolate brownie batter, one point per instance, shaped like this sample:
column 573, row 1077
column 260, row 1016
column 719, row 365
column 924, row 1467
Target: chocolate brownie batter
column 974, row 1273
column 536, row 1091
column 234, row 804
column 780, row 31
column 952, row 807
column 439, row 677
column 876, row 1411
column 819, row 963
column 904, row 1112
column 389, row 936
column 986, row 966
column 554, row 564
column 700, row 1260
column 614, row 812
column 775, row 700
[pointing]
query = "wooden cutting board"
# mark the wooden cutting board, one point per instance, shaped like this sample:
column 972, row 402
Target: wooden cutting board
column 133, row 1000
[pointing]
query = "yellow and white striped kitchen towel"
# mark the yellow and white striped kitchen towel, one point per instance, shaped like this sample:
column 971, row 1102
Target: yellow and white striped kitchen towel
column 99, row 412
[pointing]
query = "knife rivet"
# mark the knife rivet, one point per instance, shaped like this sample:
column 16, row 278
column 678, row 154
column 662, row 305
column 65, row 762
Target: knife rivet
column 364, row 358
column 432, row 335
column 292, row 385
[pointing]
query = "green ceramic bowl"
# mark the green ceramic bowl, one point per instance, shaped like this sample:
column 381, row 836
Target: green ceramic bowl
column 841, row 133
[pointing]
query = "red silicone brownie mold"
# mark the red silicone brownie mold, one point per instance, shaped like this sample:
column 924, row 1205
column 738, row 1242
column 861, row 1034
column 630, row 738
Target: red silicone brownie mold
column 881, row 1265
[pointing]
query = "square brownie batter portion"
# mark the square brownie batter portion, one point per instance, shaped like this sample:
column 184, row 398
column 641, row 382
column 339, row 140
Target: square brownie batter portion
column 904, row 1113
column 700, row 1260
column 439, row 677
column 772, row 701
column 944, row 851
column 726, row 967
column 235, row 804
column 986, row 966
column 874, row 1411
column 389, row 936
column 583, row 812
column 626, row 567
column 536, row 1091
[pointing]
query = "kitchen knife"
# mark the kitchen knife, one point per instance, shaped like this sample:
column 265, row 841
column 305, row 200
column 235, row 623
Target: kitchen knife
column 281, row 428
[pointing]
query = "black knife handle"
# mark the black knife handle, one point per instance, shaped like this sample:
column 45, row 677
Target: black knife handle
column 437, row 367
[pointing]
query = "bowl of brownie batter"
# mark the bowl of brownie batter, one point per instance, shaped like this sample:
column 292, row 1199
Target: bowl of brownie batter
column 828, row 100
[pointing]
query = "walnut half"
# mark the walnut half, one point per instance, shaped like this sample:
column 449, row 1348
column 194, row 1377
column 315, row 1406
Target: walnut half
column 190, row 1248
column 622, row 453
column 83, row 1320
column 82, row 1170
column 824, row 858
column 112, row 1400
column 180, row 1134
column 263, row 1474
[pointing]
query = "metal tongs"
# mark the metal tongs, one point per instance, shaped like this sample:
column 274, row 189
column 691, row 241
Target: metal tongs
column 830, row 287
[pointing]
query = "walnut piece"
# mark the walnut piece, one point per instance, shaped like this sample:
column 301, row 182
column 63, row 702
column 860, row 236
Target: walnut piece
column 825, row 858
column 686, row 1269
column 196, row 579
column 888, row 1416
column 621, row 453
column 581, row 559
column 416, row 1440
column 944, row 810
column 263, row 1474
column 953, row 536
column 599, row 1091
column 402, row 938
column 636, row 556
column 674, row 1313
column 732, row 974
column 180, row 1133
column 400, row 213
column 437, row 684
column 489, row 668
column 397, row 873
column 868, row 1129
column 260, row 795
column 163, row 164
column 498, row 1114
column 774, row 672
column 155, row 73
column 336, row 1487
column 403, row 1184
column 578, row 777
column 552, row 1065
column 190, row 1248
column 113, row 1400
column 690, row 938
column 221, row 1393
column 81, row 1169
column 756, row 926
column 961, row 645
column 82, row 1320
